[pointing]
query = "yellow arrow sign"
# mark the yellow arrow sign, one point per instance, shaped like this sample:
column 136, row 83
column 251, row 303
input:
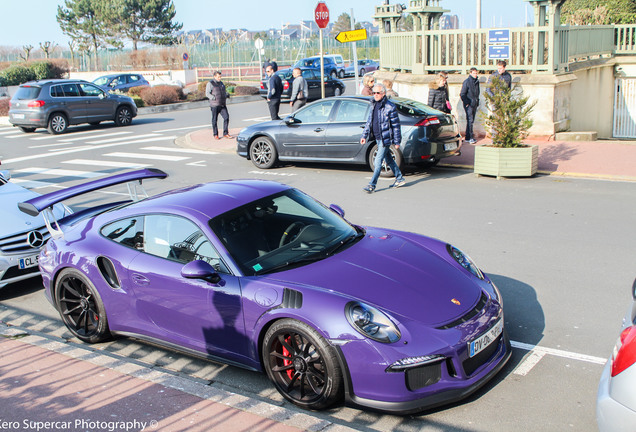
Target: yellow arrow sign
column 352, row 35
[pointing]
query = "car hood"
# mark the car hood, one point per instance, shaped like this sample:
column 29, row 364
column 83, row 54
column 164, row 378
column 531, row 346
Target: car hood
column 398, row 273
column 13, row 220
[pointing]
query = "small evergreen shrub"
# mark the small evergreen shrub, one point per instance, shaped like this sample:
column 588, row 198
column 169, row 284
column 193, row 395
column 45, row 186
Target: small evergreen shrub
column 161, row 94
column 245, row 91
column 17, row 74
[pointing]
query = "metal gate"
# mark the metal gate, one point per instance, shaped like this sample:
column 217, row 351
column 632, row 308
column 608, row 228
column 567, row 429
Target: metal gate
column 625, row 108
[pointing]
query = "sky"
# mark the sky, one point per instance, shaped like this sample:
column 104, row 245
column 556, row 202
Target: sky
column 34, row 22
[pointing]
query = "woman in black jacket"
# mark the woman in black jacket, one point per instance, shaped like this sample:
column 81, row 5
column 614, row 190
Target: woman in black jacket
column 438, row 93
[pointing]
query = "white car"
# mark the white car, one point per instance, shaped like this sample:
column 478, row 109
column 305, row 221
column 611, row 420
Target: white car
column 616, row 400
column 21, row 236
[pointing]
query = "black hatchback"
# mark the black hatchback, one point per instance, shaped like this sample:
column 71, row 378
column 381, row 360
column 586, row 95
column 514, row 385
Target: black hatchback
column 333, row 86
column 329, row 130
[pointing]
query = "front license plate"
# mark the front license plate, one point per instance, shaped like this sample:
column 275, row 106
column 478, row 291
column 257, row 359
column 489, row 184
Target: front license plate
column 27, row 262
column 450, row 146
column 479, row 344
column 18, row 116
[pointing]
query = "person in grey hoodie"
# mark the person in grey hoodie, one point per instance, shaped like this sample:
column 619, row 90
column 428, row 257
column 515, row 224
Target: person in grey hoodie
column 299, row 92
column 217, row 95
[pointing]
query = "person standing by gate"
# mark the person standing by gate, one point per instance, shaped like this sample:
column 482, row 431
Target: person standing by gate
column 217, row 95
column 470, row 99
column 384, row 125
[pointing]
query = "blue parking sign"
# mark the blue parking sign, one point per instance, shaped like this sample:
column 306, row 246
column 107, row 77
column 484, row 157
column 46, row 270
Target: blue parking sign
column 498, row 52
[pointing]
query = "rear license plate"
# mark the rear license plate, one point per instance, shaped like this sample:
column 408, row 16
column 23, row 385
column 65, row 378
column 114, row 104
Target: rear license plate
column 18, row 116
column 27, row 262
column 450, row 146
column 479, row 344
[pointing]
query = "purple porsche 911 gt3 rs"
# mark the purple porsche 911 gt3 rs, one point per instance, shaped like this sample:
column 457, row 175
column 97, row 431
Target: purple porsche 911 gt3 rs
column 260, row 275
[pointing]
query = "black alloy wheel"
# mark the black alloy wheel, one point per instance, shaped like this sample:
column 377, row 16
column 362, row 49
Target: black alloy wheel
column 302, row 365
column 80, row 307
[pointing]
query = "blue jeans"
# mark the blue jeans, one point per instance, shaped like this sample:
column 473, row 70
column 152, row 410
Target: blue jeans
column 384, row 154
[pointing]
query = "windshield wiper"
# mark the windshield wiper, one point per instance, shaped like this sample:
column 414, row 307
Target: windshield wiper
column 291, row 263
column 342, row 243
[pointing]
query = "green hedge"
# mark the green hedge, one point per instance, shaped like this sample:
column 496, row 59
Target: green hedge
column 21, row 73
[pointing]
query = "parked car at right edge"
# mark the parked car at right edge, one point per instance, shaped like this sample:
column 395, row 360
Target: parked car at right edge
column 616, row 400
column 55, row 104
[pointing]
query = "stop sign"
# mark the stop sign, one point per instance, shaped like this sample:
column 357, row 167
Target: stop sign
column 322, row 15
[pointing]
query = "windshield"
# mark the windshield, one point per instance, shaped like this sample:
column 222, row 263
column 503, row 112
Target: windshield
column 102, row 81
column 282, row 231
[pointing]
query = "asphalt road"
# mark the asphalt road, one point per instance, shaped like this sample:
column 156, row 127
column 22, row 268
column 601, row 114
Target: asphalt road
column 560, row 250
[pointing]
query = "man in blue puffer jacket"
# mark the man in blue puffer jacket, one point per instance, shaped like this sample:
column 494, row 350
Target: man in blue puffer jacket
column 383, row 124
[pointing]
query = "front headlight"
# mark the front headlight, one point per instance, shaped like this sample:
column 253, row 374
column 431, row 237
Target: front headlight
column 371, row 322
column 465, row 261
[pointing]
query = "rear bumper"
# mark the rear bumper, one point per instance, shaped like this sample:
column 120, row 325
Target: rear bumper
column 28, row 119
column 611, row 415
column 422, row 150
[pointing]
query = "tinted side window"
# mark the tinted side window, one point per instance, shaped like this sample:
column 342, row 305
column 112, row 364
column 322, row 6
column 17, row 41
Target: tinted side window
column 56, row 91
column 128, row 232
column 27, row 92
column 308, row 74
column 90, row 90
column 178, row 239
column 133, row 78
column 352, row 111
column 70, row 90
column 316, row 113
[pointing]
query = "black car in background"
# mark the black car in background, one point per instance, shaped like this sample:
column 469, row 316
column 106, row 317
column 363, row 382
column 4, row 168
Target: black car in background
column 329, row 130
column 333, row 86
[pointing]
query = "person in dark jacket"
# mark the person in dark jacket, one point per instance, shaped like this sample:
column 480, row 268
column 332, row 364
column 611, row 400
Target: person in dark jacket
column 500, row 73
column 470, row 99
column 274, row 92
column 383, row 125
column 217, row 95
column 438, row 93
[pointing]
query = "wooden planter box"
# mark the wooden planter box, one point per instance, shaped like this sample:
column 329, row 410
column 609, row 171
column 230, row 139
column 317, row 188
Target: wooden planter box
column 506, row 162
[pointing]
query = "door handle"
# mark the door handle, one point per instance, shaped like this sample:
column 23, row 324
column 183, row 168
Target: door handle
column 318, row 130
column 140, row 279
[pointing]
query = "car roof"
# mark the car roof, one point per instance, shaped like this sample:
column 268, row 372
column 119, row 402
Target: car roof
column 211, row 199
column 52, row 81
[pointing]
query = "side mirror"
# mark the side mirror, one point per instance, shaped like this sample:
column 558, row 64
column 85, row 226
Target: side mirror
column 290, row 120
column 199, row 269
column 337, row 209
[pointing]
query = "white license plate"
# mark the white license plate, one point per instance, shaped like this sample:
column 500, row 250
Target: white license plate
column 479, row 344
column 450, row 146
column 27, row 262
column 18, row 116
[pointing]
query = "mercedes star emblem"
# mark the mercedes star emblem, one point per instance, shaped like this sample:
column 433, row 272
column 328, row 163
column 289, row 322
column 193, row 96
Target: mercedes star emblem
column 35, row 239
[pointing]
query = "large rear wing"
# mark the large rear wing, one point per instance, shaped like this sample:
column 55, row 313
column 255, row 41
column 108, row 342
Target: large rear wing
column 45, row 203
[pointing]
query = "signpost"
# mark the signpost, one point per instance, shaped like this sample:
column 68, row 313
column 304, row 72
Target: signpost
column 258, row 43
column 321, row 15
column 498, row 44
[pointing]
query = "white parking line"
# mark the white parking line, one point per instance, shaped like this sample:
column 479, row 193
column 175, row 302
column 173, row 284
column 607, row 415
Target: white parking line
column 183, row 128
column 258, row 119
column 178, row 150
column 59, row 172
column 148, row 156
column 100, row 136
column 538, row 352
column 123, row 138
column 69, row 135
column 11, row 132
column 32, row 184
column 105, row 163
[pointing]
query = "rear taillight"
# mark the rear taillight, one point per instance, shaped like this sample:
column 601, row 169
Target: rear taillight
column 428, row 121
column 624, row 354
column 286, row 85
column 262, row 86
column 36, row 104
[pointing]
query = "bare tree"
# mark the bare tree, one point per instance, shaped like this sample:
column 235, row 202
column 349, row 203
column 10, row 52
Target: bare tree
column 27, row 52
column 48, row 47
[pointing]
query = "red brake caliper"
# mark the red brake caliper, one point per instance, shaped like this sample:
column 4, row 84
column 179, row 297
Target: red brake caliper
column 290, row 373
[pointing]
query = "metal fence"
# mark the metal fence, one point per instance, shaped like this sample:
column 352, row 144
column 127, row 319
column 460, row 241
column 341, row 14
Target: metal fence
column 532, row 49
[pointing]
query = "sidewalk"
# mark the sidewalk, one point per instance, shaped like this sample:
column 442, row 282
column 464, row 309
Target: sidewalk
column 602, row 159
column 50, row 385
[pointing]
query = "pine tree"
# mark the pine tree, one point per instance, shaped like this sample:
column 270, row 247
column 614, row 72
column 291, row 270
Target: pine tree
column 509, row 119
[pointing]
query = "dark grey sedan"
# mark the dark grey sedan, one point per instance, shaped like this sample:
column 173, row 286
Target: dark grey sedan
column 329, row 130
column 333, row 86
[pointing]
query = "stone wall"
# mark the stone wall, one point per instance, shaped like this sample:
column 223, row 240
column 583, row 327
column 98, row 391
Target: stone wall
column 580, row 100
